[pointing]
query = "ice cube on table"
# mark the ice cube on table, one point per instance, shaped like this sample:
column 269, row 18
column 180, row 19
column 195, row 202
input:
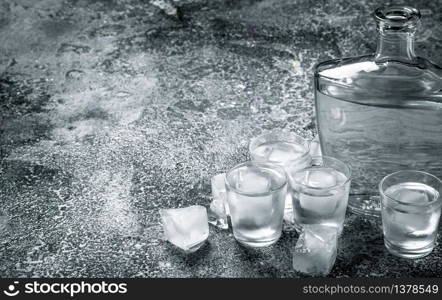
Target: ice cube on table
column 253, row 181
column 316, row 249
column 218, row 183
column 288, row 213
column 186, row 228
column 219, row 209
column 217, row 214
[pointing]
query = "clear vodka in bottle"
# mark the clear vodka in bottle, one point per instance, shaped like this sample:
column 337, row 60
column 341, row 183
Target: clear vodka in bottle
column 381, row 113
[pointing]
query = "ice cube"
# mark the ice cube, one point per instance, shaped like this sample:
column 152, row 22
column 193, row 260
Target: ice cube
column 262, row 152
column 412, row 196
column 260, row 208
column 319, row 205
column 414, row 223
column 219, row 209
column 253, row 181
column 282, row 152
column 218, row 184
column 288, row 209
column 316, row 249
column 322, row 202
column 289, row 217
column 254, row 211
column 217, row 214
column 186, row 228
column 321, row 178
column 219, row 190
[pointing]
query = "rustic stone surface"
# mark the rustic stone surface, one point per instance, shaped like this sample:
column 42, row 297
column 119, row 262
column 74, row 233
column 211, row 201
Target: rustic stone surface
column 111, row 110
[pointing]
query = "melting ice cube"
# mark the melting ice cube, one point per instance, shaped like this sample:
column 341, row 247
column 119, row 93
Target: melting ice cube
column 407, row 222
column 186, row 228
column 321, row 178
column 412, row 196
column 415, row 222
column 219, row 190
column 219, row 209
column 253, row 181
column 253, row 212
column 217, row 214
column 321, row 203
column 283, row 152
column 263, row 151
column 288, row 211
column 316, row 249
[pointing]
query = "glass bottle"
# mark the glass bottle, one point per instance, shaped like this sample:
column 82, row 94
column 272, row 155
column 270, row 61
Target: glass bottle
column 382, row 112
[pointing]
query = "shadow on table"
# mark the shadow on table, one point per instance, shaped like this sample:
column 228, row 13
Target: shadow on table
column 189, row 258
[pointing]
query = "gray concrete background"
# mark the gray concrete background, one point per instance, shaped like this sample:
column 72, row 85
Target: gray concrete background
column 111, row 110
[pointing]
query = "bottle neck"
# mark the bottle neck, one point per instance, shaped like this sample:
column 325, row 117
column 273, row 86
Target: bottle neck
column 396, row 26
column 395, row 46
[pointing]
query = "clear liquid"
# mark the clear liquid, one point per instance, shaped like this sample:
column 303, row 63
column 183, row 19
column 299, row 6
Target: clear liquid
column 283, row 154
column 326, row 206
column 379, row 138
column 278, row 151
column 411, row 227
column 256, row 220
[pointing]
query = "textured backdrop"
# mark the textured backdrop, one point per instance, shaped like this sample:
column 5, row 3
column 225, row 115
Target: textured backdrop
column 110, row 110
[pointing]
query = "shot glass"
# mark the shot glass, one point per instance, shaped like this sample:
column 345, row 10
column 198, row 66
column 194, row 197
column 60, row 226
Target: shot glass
column 411, row 208
column 285, row 149
column 255, row 195
column 320, row 192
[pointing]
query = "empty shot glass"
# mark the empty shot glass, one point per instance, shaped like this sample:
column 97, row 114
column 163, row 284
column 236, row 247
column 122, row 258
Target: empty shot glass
column 320, row 192
column 285, row 149
column 411, row 208
column 255, row 195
